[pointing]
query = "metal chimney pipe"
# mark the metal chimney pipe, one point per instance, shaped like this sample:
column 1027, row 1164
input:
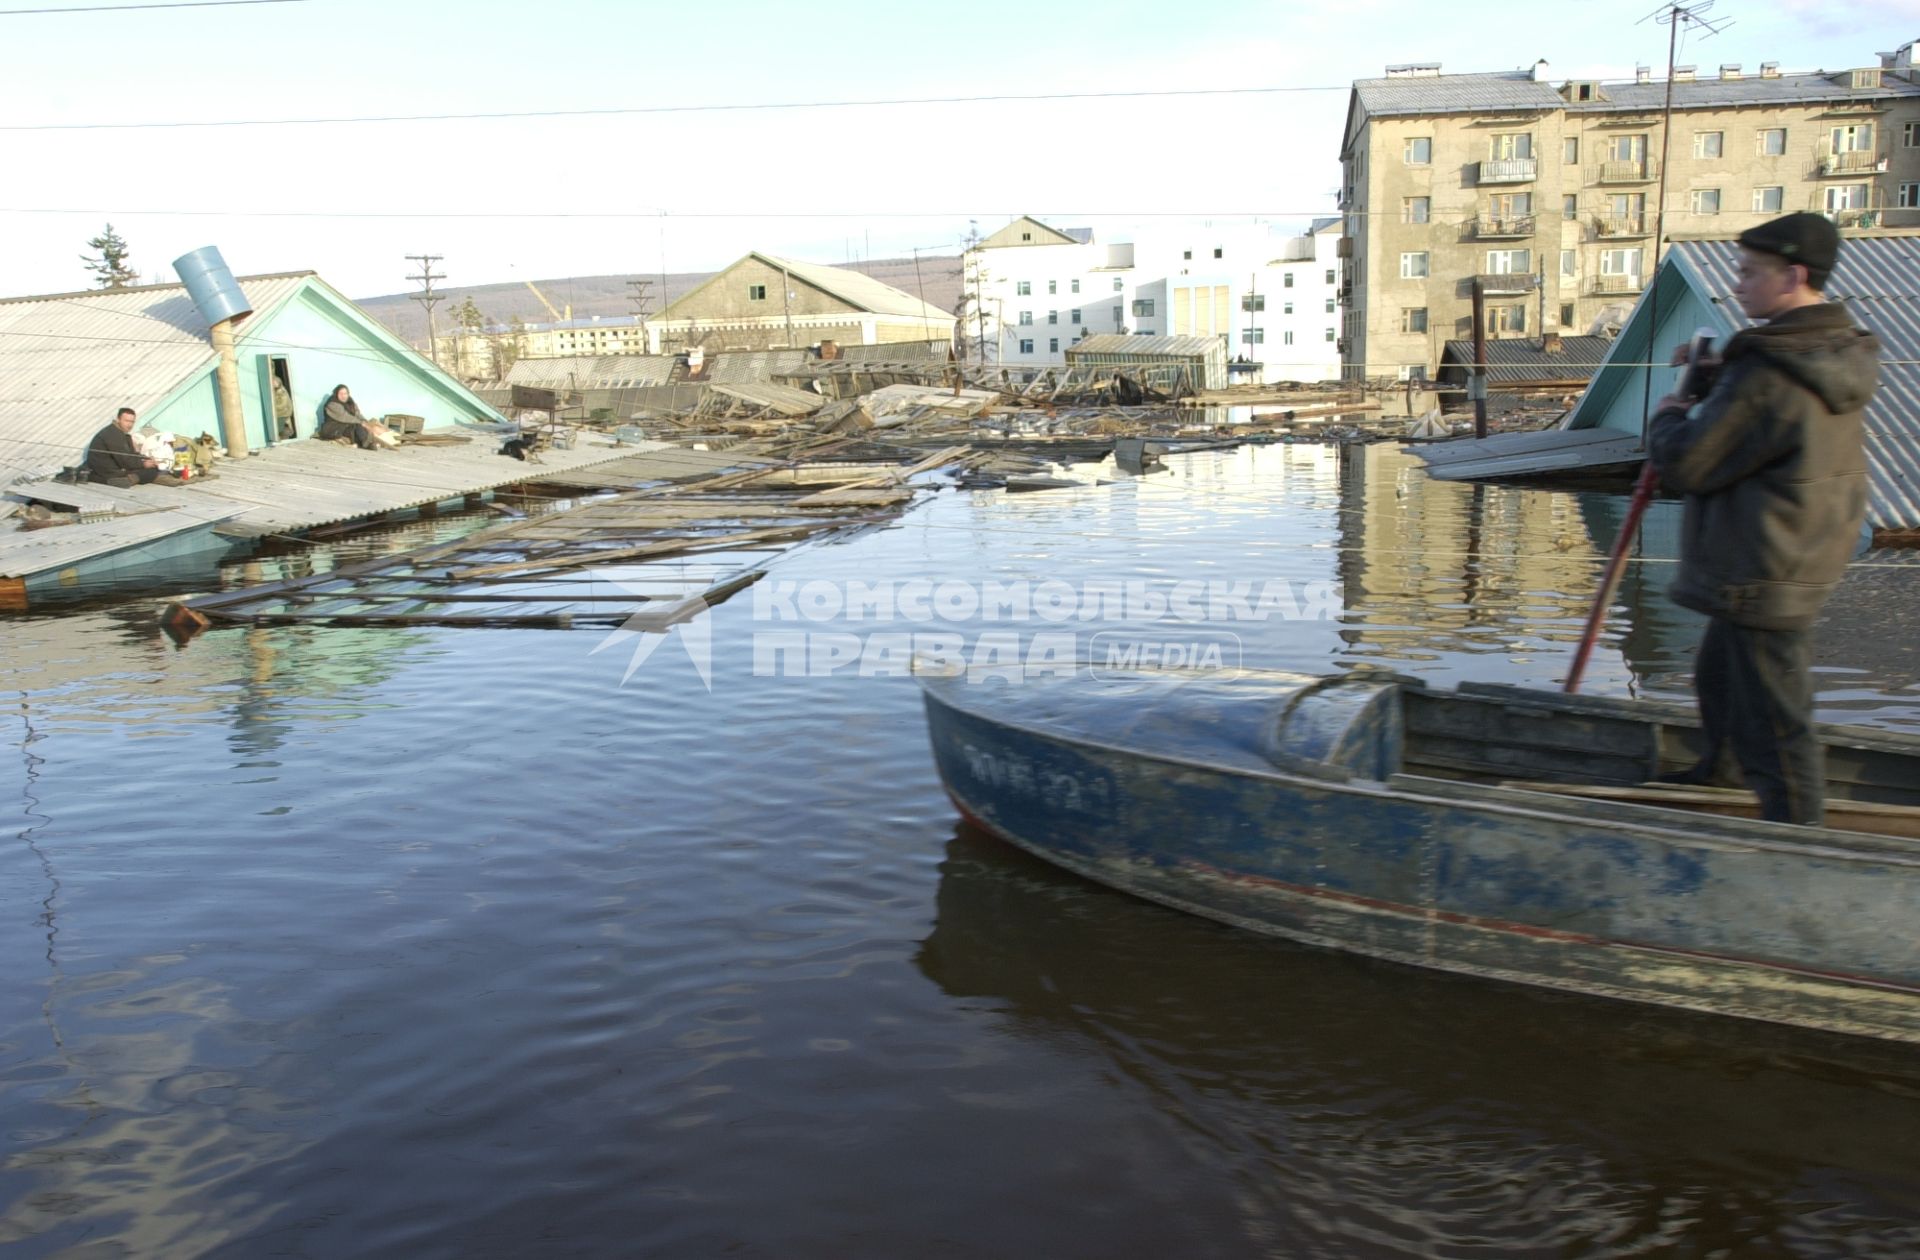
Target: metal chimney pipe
column 219, row 299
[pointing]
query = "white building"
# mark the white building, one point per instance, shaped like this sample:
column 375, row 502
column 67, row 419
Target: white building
column 1272, row 298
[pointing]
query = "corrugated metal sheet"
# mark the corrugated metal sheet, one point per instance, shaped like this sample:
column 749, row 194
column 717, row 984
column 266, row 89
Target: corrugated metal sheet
column 1878, row 279
column 1117, row 343
column 896, row 351
column 784, row 399
column 1512, row 90
column 68, row 361
column 24, row 553
column 735, row 366
column 1517, row 360
column 604, row 371
column 862, row 291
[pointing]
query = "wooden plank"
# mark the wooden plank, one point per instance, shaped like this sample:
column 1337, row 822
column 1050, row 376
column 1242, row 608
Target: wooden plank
column 1843, row 815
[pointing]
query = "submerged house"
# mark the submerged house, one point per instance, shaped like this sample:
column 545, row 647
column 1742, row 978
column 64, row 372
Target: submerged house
column 68, row 361
column 1878, row 279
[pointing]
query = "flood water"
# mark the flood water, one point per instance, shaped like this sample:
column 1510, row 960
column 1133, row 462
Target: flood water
column 449, row 943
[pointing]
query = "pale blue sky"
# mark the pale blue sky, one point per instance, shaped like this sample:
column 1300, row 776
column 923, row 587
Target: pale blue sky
column 816, row 183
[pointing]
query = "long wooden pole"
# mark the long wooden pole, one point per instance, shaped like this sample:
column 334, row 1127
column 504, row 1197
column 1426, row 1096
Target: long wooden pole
column 1616, row 565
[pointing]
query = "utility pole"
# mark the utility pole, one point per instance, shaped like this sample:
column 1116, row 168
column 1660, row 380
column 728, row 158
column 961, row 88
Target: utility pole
column 786, row 303
column 1672, row 15
column 641, row 298
column 428, row 298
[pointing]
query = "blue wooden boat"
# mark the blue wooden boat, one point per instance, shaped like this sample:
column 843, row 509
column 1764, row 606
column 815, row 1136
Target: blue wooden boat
column 1493, row 831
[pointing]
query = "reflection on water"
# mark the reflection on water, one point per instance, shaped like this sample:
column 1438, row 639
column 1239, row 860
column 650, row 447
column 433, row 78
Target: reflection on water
column 439, row 943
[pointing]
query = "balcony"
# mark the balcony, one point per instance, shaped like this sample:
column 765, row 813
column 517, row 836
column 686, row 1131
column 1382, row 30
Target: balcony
column 1343, row 248
column 1506, row 284
column 1636, row 172
column 1513, row 227
column 1507, row 171
column 1852, row 162
column 1609, row 227
column 1854, row 218
column 1617, row 284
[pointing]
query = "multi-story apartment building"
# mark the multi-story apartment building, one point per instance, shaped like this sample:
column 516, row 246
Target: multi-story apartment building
column 1035, row 290
column 471, row 355
column 1551, row 194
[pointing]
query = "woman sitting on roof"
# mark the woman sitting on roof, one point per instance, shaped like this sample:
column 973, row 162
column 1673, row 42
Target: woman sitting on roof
column 345, row 421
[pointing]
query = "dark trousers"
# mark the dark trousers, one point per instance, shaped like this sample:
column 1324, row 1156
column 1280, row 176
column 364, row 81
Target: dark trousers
column 1755, row 689
column 332, row 429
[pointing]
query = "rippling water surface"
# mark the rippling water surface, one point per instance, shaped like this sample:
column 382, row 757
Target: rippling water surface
column 331, row 942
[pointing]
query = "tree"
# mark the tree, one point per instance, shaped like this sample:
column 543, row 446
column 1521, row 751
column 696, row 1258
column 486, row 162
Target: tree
column 977, row 327
column 109, row 266
column 508, row 348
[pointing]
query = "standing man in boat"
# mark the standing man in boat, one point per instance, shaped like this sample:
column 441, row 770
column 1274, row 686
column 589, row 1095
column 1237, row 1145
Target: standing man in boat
column 1774, row 472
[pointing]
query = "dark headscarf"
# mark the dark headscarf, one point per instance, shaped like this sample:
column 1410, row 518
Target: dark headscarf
column 349, row 404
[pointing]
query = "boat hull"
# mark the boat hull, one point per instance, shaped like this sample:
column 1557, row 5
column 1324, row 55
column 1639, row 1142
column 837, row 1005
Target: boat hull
column 1757, row 929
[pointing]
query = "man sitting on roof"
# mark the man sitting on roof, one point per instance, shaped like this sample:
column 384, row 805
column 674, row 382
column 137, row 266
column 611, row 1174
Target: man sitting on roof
column 112, row 459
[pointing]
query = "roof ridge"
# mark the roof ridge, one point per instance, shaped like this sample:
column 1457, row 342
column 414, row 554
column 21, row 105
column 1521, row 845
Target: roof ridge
column 142, row 288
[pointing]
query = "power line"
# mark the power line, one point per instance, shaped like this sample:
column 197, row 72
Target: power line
column 627, row 110
column 123, row 8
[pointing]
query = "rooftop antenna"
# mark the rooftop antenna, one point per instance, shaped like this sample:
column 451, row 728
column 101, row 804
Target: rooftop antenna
column 1675, row 17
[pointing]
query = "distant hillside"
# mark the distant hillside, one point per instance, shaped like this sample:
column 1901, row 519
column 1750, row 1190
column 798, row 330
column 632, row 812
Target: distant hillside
column 608, row 295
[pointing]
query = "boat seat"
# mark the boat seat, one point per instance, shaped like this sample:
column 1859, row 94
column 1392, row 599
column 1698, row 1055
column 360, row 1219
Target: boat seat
column 1351, row 725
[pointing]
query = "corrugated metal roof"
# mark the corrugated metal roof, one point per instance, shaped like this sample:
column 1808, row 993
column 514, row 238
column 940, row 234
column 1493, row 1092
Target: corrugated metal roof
column 862, row 291
column 895, row 351
column 1786, row 89
column 69, row 360
column 753, row 365
column 784, row 399
column 1117, row 343
column 25, row 552
column 603, row 371
column 1878, row 279
column 1512, row 90
column 1516, row 360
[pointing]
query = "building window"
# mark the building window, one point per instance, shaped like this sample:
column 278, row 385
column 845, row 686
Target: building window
column 1053, row 317
column 1286, row 338
column 1119, row 315
column 1075, row 317
column 1254, row 302
column 1910, row 135
column 1254, row 336
column 1772, row 141
column 1026, row 345
column 756, row 293
column 1053, row 286
column 1143, row 332
column 1022, row 288
column 1507, row 319
column 1570, row 151
column 1026, row 317
column 1509, row 262
column 1053, row 345
column 1143, row 306
column 1286, row 279
column 1706, row 201
column 1329, row 275
column 1217, row 252
column 1287, row 309
column 1768, row 200
column 1507, row 145
column 1329, row 334
column 1566, row 314
column 1570, row 207
column 1187, row 254
column 1569, row 262
column 1413, row 319
column 1416, row 209
column 1073, row 286
column 1846, row 197
column 1707, row 144
column 1413, row 266
column 1118, row 284
column 1852, row 138
column 1418, row 151
column 1627, row 148
column 1620, row 262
